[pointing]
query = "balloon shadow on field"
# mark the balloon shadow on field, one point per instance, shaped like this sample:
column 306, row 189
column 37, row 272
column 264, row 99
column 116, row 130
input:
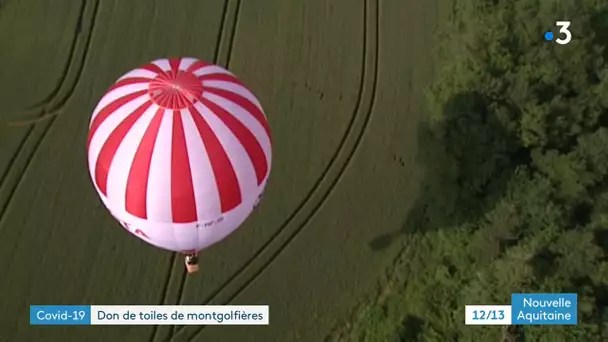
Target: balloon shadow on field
column 467, row 159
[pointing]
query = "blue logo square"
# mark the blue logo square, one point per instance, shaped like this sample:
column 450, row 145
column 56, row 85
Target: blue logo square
column 60, row 315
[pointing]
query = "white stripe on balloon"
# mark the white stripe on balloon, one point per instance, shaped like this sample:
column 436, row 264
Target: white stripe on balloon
column 159, row 181
column 243, row 116
column 240, row 160
column 107, row 127
column 120, row 168
column 203, row 179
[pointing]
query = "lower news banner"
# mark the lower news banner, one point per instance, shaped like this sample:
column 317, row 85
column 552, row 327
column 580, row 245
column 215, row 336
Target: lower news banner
column 544, row 308
column 149, row 315
column 527, row 309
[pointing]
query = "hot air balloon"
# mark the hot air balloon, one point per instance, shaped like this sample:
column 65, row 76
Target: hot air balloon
column 179, row 151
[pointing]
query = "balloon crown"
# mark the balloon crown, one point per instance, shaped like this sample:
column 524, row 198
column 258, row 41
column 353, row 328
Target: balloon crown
column 175, row 89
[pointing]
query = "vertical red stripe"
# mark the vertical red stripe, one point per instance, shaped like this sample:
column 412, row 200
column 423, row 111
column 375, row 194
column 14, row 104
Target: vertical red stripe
column 108, row 110
column 196, row 66
column 108, row 151
column 225, row 176
column 174, row 98
column 183, row 204
column 243, row 102
column 244, row 136
column 137, row 184
column 181, row 102
column 174, row 63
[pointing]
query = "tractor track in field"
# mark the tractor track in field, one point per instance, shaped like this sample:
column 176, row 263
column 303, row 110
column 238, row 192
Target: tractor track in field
column 54, row 104
column 324, row 185
column 173, row 261
column 77, row 31
column 39, row 106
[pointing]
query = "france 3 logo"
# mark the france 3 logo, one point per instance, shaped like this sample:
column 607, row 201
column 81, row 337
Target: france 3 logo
column 563, row 31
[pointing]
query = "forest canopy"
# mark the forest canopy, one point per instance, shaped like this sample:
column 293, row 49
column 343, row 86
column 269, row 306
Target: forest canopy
column 516, row 195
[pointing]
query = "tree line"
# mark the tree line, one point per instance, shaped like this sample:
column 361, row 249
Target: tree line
column 516, row 192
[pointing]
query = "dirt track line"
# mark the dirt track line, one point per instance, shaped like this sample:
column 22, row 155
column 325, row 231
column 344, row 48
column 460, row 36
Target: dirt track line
column 59, row 104
column 165, row 291
column 370, row 68
column 12, row 161
column 56, row 107
column 51, row 95
column 228, row 55
column 77, row 31
column 175, row 263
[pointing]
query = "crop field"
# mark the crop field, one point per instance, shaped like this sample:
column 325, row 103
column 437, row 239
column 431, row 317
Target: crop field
column 342, row 83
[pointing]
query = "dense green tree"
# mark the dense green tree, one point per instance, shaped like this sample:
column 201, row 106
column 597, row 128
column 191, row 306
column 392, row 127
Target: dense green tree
column 516, row 197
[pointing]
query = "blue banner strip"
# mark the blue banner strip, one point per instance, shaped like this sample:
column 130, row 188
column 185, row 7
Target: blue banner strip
column 544, row 308
column 60, row 315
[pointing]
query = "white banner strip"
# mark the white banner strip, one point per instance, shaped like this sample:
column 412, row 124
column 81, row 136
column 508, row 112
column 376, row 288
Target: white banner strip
column 179, row 315
column 487, row 315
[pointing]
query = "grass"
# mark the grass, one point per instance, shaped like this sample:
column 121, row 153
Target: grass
column 342, row 85
column 38, row 41
column 418, row 278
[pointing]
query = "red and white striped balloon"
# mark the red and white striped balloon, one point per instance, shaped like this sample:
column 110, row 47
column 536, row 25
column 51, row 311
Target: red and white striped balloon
column 179, row 151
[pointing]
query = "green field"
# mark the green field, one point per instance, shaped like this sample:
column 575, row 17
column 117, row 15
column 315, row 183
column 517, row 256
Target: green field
column 342, row 84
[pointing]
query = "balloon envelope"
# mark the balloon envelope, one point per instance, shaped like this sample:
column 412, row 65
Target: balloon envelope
column 179, row 151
